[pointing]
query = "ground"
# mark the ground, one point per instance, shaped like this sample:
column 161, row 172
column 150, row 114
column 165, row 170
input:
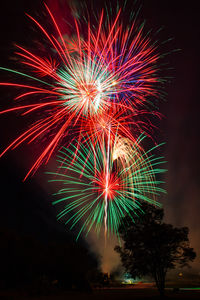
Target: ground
column 105, row 294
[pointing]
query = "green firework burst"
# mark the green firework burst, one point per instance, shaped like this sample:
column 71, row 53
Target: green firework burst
column 98, row 188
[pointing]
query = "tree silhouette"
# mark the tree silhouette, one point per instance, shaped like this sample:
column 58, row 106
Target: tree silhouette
column 42, row 267
column 152, row 247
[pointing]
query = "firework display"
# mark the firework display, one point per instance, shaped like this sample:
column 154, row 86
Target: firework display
column 89, row 94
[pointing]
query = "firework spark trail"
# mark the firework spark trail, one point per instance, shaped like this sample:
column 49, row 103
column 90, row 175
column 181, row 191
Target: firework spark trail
column 107, row 179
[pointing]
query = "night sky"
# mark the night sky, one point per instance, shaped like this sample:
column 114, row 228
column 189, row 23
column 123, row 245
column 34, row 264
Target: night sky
column 27, row 206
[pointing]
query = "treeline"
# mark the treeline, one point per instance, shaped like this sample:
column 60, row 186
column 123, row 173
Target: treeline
column 39, row 267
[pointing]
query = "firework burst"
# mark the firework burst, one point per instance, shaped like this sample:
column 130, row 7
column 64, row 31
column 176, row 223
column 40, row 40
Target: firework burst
column 99, row 193
column 100, row 75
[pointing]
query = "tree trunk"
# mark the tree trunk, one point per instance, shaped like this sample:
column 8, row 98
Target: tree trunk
column 160, row 282
column 162, row 289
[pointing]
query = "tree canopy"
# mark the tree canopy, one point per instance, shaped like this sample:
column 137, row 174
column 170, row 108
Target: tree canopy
column 152, row 247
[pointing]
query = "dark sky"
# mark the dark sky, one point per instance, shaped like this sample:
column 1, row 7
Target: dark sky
column 26, row 206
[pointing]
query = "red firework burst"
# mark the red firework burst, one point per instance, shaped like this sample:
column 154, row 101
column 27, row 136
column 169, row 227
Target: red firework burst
column 85, row 84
